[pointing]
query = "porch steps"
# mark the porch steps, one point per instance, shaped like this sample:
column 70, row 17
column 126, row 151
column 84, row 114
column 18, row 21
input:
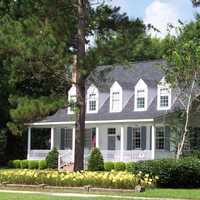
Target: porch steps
column 68, row 167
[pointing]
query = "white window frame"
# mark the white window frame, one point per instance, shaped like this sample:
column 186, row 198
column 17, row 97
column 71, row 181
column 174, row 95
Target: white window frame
column 163, row 86
column 116, row 88
column 139, row 130
column 159, row 137
column 71, row 97
column 92, row 90
column 141, row 86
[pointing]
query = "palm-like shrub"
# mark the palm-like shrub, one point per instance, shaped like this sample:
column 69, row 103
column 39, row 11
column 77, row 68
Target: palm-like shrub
column 95, row 162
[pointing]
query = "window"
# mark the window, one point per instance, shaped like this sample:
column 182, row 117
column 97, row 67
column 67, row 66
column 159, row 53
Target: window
column 115, row 101
column 160, row 138
column 92, row 99
column 92, row 102
column 72, row 102
column 111, row 138
column 164, row 96
column 141, row 94
column 116, row 98
column 137, row 138
column 140, row 99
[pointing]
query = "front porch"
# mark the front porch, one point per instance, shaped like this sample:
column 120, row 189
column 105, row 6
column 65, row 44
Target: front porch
column 127, row 142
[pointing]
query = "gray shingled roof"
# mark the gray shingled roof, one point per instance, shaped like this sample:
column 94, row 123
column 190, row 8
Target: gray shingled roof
column 127, row 76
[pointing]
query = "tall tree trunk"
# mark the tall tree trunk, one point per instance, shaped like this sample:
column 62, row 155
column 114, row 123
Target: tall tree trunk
column 185, row 131
column 80, row 88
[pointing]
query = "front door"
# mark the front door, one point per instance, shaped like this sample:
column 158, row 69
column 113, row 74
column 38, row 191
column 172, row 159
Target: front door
column 111, row 138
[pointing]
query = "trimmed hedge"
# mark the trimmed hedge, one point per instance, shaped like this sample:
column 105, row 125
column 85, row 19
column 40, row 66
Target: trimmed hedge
column 108, row 166
column 27, row 164
column 183, row 173
column 119, row 166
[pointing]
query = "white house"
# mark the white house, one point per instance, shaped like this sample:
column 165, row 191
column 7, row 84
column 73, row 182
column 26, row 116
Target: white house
column 122, row 107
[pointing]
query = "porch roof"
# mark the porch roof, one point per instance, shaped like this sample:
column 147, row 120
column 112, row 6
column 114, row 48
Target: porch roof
column 104, row 116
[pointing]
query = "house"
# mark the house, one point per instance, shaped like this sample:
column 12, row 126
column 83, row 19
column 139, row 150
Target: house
column 123, row 106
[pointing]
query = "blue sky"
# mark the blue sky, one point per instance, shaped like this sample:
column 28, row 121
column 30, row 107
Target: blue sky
column 158, row 12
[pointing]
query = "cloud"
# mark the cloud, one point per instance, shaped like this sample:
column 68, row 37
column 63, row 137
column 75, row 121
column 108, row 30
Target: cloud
column 160, row 13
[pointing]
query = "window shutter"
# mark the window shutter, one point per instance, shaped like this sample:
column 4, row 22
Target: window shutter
column 143, row 137
column 167, row 138
column 68, row 138
column 62, row 139
column 88, row 138
column 129, row 138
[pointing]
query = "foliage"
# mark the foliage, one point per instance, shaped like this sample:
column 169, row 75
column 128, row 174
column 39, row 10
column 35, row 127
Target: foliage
column 119, row 166
column 16, row 164
column 130, row 166
column 183, row 73
column 95, row 162
column 109, row 166
column 2, row 145
column 183, row 173
column 52, row 159
column 29, row 109
column 27, row 164
column 42, row 164
column 24, row 164
column 33, row 164
column 122, row 180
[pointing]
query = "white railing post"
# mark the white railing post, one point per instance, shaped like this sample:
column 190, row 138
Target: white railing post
column 73, row 143
column 97, row 137
column 29, row 143
column 122, row 143
column 153, row 142
column 52, row 138
column 59, row 161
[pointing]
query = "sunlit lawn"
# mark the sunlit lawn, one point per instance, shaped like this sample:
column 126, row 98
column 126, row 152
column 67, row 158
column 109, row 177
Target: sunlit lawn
column 165, row 193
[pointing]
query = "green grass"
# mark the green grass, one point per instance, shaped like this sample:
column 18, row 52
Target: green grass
column 162, row 193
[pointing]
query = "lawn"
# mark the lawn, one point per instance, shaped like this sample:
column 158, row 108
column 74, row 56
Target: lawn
column 162, row 193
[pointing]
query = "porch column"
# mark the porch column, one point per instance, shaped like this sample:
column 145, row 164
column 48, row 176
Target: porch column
column 122, row 143
column 52, row 138
column 97, row 137
column 153, row 142
column 29, row 143
column 73, row 143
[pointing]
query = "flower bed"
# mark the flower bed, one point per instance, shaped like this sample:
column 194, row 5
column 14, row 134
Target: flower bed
column 113, row 179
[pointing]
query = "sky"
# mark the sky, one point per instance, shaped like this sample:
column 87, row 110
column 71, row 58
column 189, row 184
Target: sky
column 159, row 13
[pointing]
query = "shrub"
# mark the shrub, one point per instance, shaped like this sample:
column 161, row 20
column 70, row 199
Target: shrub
column 42, row 164
column 24, row 164
column 108, row 166
column 52, row 159
column 95, row 162
column 130, row 167
column 16, row 163
column 10, row 164
column 119, row 166
column 183, row 173
column 33, row 164
column 121, row 180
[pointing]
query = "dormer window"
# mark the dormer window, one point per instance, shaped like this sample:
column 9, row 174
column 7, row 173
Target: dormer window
column 115, row 101
column 140, row 99
column 116, row 98
column 164, row 96
column 72, row 100
column 141, row 92
column 92, row 99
